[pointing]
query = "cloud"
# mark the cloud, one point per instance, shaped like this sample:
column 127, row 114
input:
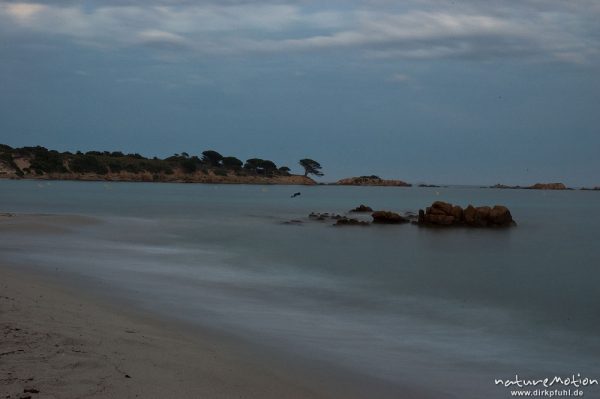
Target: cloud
column 22, row 12
column 399, row 78
column 159, row 37
column 473, row 29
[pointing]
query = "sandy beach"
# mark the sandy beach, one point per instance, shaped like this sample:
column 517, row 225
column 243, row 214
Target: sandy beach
column 56, row 344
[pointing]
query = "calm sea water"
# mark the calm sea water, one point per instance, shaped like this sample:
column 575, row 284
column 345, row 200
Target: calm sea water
column 443, row 310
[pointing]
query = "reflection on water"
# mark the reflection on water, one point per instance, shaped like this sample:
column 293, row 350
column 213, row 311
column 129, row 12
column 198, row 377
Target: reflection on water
column 449, row 309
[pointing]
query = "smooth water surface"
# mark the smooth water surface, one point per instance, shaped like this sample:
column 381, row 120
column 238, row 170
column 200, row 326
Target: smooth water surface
column 445, row 310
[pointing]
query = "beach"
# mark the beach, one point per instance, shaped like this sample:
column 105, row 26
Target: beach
column 59, row 343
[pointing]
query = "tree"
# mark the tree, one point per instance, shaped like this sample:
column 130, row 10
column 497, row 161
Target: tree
column 232, row 163
column 268, row 167
column 189, row 165
column 311, row 167
column 260, row 166
column 284, row 170
column 87, row 164
column 253, row 164
column 212, row 158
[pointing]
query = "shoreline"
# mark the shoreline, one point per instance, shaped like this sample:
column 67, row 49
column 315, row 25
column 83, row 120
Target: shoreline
column 65, row 342
column 293, row 180
column 263, row 181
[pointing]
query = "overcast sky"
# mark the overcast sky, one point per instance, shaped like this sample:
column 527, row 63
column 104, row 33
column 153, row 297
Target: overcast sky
column 472, row 91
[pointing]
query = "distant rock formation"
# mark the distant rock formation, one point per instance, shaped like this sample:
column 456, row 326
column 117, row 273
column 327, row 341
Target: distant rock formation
column 505, row 186
column 428, row 185
column 548, row 186
column 537, row 186
column 371, row 181
column 590, row 189
column 387, row 217
column 445, row 214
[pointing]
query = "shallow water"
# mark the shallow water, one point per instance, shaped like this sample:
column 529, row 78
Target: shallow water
column 445, row 310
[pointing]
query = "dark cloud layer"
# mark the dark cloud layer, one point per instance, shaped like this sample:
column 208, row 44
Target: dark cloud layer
column 445, row 91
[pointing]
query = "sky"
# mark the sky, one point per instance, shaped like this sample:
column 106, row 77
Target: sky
column 447, row 92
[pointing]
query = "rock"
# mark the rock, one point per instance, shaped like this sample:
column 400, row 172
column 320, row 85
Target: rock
column 445, row 207
column 443, row 220
column 435, row 211
column 30, row 390
column 350, row 222
column 504, row 186
column 548, row 186
column 537, row 186
column 371, row 181
column 444, row 214
column 469, row 215
column 362, row 208
column 500, row 215
column 387, row 217
column 457, row 212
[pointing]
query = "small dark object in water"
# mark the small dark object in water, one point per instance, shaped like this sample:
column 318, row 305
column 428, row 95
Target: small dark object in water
column 362, row 208
column 387, row 217
column 295, row 222
column 295, row 195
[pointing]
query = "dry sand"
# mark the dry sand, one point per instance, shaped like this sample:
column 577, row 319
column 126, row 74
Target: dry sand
column 57, row 343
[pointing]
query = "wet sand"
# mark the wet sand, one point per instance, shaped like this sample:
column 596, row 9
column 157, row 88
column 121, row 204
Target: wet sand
column 55, row 344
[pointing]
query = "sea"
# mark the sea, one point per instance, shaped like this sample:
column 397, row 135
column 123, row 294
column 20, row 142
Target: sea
column 446, row 312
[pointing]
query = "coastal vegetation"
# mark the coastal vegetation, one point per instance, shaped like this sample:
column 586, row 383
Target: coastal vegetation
column 311, row 167
column 209, row 167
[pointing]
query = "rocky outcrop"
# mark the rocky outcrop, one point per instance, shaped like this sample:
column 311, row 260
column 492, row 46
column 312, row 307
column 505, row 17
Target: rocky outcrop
column 537, row 186
column 590, row 189
column 387, row 217
column 444, row 214
column 362, row 208
column 505, row 186
column 371, row 181
column 548, row 186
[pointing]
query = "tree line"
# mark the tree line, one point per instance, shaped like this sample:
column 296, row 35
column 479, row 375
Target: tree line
column 41, row 161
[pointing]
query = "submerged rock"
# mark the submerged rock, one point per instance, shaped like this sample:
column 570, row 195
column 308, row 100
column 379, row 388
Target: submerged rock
column 323, row 216
column 387, row 217
column 295, row 222
column 350, row 222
